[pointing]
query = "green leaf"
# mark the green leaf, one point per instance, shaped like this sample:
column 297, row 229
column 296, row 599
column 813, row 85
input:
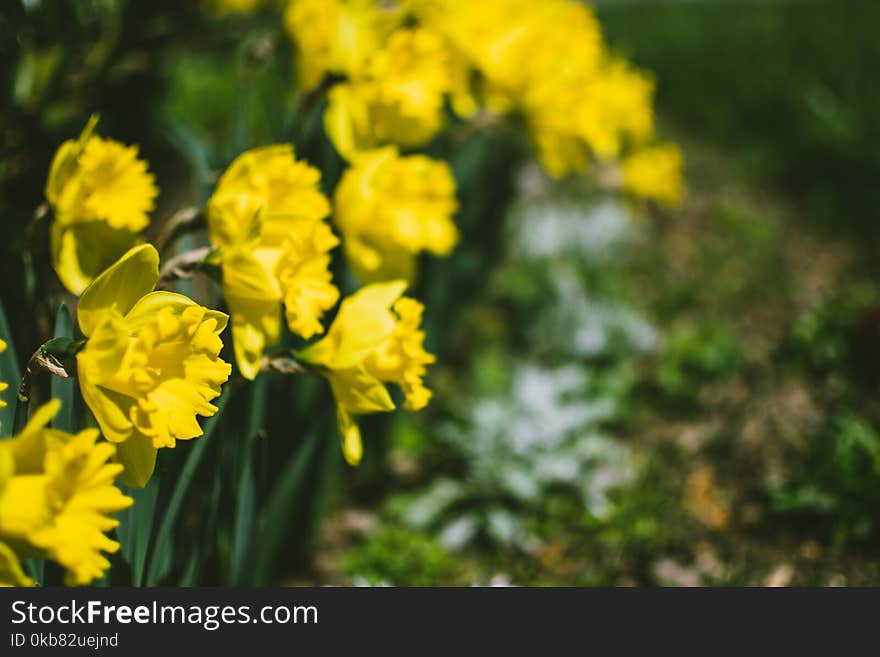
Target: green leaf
column 245, row 512
column 136, row 527
column 191, row 570
column 65, row 389
column 162, row 556
column 9, row 374
column 36, row 569
column 244, row 521
column 277, row 524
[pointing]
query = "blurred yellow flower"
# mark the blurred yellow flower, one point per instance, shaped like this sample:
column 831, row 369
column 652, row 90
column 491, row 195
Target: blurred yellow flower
column 626, row 94
column 56, row 495
column 573, row 123
column 269, row 178
column 337, row 36
column 101, row 195
column 267, row 216
column 519, row 44
column 548, row 61
column 390, row 208
column 655, row 173
column 151, row 362
column 375, row 339
column 397, row 99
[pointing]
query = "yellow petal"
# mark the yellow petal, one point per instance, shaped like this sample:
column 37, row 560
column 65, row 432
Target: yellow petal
column 360, row 392
column 11, row 573
column 655, row 173
column 138, row 457
column 254, row 300
column 7, row 463
column 23, row 506
column 97, row 364
column 151, row 303
column 120, row 286
column 64, row 162
column 347, row 121
column 372, row 265
column 364, row 322
column 352, row 445
column 42, row 416
column 110, row 409
column 61, row 169
column 28, row 448
column 81, row 251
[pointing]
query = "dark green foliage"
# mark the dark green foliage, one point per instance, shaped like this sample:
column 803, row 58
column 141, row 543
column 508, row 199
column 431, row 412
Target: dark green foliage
column 836, row 487
column 784, row 88
column 695, row 355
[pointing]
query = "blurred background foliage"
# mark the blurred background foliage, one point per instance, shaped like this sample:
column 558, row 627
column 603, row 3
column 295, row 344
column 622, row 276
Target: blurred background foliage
column 622, row 397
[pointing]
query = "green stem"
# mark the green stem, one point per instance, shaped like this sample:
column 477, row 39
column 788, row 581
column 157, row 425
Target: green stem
column 21, row 413
column 56, row 356
column 183, row 222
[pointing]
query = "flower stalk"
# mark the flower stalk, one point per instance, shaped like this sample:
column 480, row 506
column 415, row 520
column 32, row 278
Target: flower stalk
column 185, row 265
column 58, row 357
column 182, row 222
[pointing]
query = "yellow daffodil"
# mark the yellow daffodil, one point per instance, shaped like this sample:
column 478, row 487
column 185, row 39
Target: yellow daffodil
column 375, row 339
column 151, row 362
column 589, row 113
column 56, row 496
column 390, row 208
column 398, row 99
column 655, row 173
column 267, row 218
column 517, row 44
column 101, row 195
column 338, row 36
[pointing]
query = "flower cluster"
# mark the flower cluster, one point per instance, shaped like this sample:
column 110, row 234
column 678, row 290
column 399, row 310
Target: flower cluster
column 543, row 61
column 395, row 75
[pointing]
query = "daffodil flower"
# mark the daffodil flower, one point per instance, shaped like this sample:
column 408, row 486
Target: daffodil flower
column 56, row 495
column 397, row 99
column 375, row 339
column 101, row 195
column 150, row 364
column 389, row 208
column 267, row 220
column 338, row 36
